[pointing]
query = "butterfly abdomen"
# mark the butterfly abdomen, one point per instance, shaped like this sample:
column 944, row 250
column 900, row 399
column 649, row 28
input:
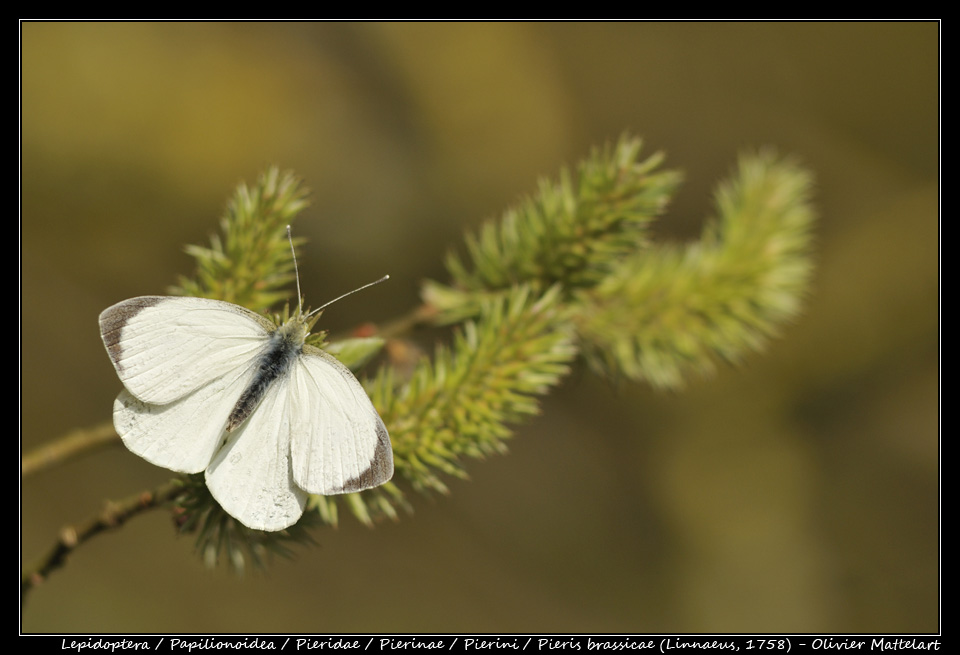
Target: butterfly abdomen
column 283, row 348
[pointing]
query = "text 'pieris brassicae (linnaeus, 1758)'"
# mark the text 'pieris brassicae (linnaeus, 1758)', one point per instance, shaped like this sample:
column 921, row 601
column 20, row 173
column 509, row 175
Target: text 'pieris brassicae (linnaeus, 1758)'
column 212, row 386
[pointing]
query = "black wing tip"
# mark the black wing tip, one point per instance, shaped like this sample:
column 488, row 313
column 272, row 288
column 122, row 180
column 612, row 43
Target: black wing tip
column 380, row 469
column 114, row 318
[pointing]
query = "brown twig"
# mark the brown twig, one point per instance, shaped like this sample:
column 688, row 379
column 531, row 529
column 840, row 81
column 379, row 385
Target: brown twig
column 114, row 515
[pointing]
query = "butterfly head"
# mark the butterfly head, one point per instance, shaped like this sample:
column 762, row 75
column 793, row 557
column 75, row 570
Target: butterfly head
column 296, row 328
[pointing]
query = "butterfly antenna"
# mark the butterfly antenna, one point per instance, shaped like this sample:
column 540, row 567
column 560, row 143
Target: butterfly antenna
column 296, row 271
column 350, row 293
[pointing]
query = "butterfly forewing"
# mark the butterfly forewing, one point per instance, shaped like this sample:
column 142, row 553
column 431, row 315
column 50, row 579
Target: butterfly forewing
column 339, row 443
column 165, row 348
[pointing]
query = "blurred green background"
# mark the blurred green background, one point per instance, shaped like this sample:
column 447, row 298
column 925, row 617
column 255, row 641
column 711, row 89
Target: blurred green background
column 798, row 492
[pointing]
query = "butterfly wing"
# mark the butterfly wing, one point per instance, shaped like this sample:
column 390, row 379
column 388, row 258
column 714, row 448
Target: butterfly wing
column 339, row 444
column 165, row 348
column 183, row 435
column 250, row 476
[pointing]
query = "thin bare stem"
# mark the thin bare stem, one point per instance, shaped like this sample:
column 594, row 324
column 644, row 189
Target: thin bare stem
column 113, row 515
column 72, row 445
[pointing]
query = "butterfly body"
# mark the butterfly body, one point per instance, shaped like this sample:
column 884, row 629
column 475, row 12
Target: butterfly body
column 283, row 348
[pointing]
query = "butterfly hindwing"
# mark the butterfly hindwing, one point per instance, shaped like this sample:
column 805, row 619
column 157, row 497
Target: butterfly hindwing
column 250, row 475
column 183, row 435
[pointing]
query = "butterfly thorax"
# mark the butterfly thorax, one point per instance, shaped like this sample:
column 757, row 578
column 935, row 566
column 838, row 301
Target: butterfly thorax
column 283, row 347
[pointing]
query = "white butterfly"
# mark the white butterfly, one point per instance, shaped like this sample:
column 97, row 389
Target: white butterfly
column 212, row 386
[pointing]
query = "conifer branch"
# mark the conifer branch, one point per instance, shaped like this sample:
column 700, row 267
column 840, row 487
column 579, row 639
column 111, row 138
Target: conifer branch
column 461, row 403
column 572, row 232
column 669, row 312
column 251, row 263
column 569, row 269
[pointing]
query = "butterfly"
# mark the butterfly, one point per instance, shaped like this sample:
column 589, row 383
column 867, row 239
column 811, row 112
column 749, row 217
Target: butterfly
column 212, row 386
